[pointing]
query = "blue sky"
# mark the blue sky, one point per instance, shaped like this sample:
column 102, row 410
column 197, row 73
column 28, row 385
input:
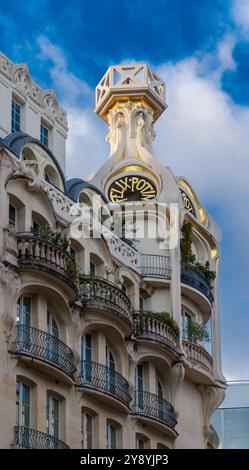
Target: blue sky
column 201, row 49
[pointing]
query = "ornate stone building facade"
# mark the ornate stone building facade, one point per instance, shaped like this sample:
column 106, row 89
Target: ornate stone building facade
column 101, row 334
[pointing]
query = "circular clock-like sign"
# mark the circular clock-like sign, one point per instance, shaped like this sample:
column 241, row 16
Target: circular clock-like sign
column 132, row 188
column 187, row 203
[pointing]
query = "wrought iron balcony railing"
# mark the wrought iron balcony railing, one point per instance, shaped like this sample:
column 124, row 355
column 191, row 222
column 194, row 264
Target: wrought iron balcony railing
column 36, row 250
column 148, row 327
column 196, row 279
column 102, row 378
column 152, row 406
column 44, row 346
column 96, row 290
column 28, row 438
column 155, row 266
column 198, row 355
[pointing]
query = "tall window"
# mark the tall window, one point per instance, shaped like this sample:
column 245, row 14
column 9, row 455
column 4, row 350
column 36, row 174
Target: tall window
column 111, row 436
column 139, row 379
column 23, row 414
column 86, row 347
column 92, row 269
column 86, row 357
column 52, row 415
column 110, row 373
column 160, row 399
column 87, row 431
column 23, row 314
column 186, row 319
column 15, row 116
column 44, row 135
column 12, row 215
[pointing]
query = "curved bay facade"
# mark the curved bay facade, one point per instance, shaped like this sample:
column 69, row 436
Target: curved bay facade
column 103, row 334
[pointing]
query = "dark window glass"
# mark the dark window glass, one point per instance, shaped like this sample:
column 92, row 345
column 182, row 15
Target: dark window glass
column 44, row 135
column 15, row 117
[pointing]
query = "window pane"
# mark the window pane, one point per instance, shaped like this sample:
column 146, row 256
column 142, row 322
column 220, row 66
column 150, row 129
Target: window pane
column 89, row 431
column 17, row 401
column 15, row 117
column 12, row 215
column 92, row 269
column 44, row 135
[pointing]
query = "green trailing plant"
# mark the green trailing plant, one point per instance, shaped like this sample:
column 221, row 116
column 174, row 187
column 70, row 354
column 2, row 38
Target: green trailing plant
column 186, row 245
column 46, row 232
column 162, row 316
column 196, row 332
column 209, row 275
column 189, row 259
column 72, row 271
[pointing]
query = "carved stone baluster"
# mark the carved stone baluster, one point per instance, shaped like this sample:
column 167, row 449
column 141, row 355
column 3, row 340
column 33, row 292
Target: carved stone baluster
column 37, row 250
column 52, row 256
column 43, row 245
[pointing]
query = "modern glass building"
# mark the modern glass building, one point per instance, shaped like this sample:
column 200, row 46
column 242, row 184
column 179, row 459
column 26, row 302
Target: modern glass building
column 231, row 420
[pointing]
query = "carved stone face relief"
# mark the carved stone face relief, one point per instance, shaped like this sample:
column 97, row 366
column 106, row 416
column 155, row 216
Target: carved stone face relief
column 132, row 188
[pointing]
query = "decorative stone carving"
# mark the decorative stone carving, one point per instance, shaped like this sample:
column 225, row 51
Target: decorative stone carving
column 25, row 86
column 50, row 104
column 10, row 246
column 212, row 397
column 177, row 373
column 21, row 79
column 11, row 284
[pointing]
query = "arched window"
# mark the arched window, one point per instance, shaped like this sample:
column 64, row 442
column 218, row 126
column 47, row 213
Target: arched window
column 51, row 176
column 186, row 320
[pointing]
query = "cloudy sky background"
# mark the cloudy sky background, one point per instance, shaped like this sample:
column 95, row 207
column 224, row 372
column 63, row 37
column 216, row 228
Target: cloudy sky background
column 201, row 50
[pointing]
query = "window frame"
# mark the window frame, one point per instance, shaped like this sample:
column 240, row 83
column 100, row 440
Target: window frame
column 14, row 113
column 44, row 139
column 20, row 404
column 50, row 417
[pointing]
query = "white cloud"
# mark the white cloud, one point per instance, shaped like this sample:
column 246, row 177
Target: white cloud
column 86, row 146
column 240, row 14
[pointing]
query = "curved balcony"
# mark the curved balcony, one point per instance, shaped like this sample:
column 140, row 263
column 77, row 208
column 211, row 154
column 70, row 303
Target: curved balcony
column 96, row 292
column 149, row 328
column 38, row 344
column 196, row 279
column 198, row 356
column 37, row 252
column 152, row 406
column 103, row 379
column 155, row 266
column 28, row 438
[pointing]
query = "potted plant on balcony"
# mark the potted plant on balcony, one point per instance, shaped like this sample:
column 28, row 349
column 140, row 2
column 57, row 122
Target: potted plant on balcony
column 189, row 259
column 196, row 333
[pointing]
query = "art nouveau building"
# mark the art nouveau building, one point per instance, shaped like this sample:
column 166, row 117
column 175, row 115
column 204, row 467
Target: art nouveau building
column 85, row 360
